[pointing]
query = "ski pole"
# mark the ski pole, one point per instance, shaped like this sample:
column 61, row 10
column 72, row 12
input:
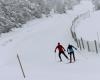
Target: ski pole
column 55, row 56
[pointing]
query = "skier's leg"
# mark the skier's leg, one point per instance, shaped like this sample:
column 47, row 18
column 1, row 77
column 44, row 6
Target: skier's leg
column 65, row 55
column 60, row 56
column 73, row 56
column 70, row 57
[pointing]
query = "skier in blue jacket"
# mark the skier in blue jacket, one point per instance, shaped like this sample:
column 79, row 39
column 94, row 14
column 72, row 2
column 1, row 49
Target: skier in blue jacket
column 70, row 50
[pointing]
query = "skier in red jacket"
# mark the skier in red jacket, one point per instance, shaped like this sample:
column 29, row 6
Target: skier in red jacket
column 61, row 50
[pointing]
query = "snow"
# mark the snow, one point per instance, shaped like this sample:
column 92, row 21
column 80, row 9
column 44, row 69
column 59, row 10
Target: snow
column 89, row 28
column 35, row 46
column 39, row 37
column 84, row 6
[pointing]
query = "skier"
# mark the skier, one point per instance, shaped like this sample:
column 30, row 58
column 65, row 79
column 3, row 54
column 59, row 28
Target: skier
column 70, row 50
column 61, row 50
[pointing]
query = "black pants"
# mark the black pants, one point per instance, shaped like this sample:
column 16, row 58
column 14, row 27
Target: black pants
column 63, row 54
column 72, row 55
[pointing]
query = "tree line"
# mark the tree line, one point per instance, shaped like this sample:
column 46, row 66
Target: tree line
column 15, row 13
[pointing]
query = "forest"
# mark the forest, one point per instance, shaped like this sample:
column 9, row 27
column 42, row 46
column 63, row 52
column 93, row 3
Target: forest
column 15, row 13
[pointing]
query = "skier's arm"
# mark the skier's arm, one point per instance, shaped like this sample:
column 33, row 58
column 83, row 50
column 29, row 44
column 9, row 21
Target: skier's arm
column 74, row 47
column 56, row 48
column 63, row 48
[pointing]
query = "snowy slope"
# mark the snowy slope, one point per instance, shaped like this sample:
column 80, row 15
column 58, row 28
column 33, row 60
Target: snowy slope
column 35, row 46
column 43, row 32
column 84, row 6
column 89, row 28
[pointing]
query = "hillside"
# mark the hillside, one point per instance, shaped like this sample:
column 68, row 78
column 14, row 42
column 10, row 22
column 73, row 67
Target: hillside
column 35, row 46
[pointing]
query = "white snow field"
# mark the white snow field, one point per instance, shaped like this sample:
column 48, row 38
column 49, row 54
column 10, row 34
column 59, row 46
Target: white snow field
column 89, row 28
column 35, row 44
column 83, row 7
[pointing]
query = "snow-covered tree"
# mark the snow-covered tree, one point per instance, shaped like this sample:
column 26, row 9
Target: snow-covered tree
column 14, row 13
column 71, row 3
column 97, row 4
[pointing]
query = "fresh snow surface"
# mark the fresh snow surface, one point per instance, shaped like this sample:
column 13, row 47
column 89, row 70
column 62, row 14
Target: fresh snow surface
column 89, row 28
column 84, row 6
column 35, row 44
